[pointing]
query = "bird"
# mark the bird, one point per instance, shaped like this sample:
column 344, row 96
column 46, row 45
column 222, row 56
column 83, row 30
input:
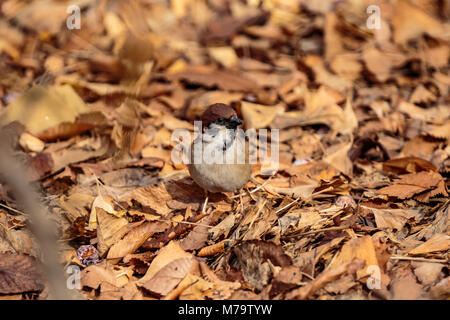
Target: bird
column 219, row 157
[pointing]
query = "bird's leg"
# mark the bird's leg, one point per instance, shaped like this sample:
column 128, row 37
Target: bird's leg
column 206, row 201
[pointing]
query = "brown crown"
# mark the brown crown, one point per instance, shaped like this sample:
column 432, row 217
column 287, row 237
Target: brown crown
column 216, row 111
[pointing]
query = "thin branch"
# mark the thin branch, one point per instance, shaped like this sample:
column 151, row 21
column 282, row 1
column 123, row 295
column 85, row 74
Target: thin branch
column 419, row 259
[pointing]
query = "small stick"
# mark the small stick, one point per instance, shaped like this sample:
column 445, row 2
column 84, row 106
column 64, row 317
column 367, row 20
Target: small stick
column 214, row 249
column 191, row 223
column 295, row 233
column 12, row 209
column 287, row 206
column 205, row 204
column 256, row 189
column 418, row 259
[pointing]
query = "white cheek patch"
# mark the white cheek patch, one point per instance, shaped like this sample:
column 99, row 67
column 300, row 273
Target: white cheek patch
column 215, row 134
column 210, row 133
column 219, row 145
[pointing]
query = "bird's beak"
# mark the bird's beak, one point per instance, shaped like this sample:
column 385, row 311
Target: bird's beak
column 234, row 122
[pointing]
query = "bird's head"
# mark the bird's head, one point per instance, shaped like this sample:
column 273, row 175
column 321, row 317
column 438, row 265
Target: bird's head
column 220, row 114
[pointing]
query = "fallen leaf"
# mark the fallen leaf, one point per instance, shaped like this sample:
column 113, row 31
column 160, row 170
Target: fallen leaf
column 427, row 272
column 441, row 223
column 337, row 156
column 104, row 204
column 199, row 236
column 393, row 218
column 408, row 165
column 349, row 267
column 34, row 16
column 31, row 143
column 42, row 108
column 196, row 288
column 133, row 240
column 110, row 229
column 438, row 242
column 410, row 22
column 361, row 248
column 405, row 287
column 170, row 253
column 226, row 56
column 95, row 275
column 412, row 184
column 441, row 290
column 258, row 116
column 253, row 258
column 381, row 63
column 19, row 273
column 167, row 269
column 225, row 80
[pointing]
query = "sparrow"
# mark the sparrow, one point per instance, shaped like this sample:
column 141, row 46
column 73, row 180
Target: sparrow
column 219, row 156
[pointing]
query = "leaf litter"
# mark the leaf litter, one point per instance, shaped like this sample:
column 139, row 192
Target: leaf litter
column 362, row 186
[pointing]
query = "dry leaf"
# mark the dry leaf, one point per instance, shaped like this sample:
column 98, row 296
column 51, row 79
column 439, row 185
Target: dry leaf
column 408, row 165
column 441, row 290
column 226, row 80
column 104, row 204
column 18, row 273
column 95, row 275
column 361, row 248
column 110, row 229
column 412, row 184
column 168, row 277
column 42, row 108
column 258, row 116
column 393, row 218
column 226, row 56
column 337, row 156
column 405, row 287
column 438, row 242
column 427, row 273
column 349, row 267
column 31, row 143
column 410, row 22
column 167, row 269
column 133, row 240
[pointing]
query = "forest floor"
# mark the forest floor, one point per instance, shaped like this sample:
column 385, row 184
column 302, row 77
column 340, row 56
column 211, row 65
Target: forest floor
column 358, row 207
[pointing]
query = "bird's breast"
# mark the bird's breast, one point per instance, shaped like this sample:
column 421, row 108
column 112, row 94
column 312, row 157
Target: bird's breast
column 218, row 169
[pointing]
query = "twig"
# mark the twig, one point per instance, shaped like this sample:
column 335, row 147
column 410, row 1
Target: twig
column 214, row 248
column 256, row 189
column 296, row 233
column 12, row 209
column 287, row 206
column 191, row 223
column 418, row 259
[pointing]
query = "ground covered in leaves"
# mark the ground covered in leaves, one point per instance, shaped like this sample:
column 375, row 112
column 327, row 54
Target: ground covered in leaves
column 358, row 208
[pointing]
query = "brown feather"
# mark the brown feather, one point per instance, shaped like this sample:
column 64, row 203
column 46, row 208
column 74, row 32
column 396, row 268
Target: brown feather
column 216, row 111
